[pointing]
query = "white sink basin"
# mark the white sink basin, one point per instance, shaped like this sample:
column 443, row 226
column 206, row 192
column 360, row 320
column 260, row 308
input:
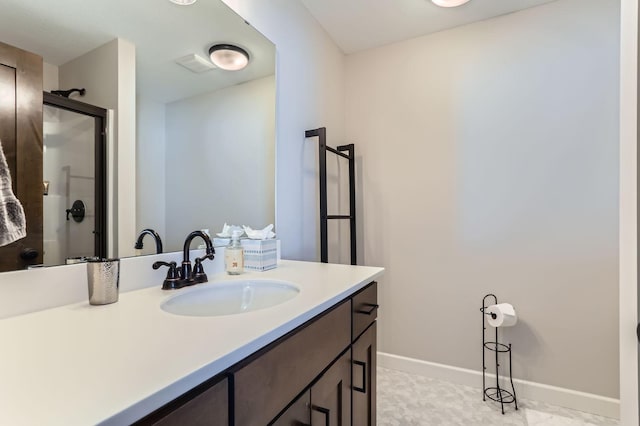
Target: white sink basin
column 230, row 297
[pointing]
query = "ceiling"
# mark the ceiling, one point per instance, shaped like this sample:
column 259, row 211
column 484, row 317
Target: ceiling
column 75, row 27
column 161, row 31
column 357, row 25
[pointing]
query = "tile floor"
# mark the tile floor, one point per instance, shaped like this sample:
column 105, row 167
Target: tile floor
column 409, row 400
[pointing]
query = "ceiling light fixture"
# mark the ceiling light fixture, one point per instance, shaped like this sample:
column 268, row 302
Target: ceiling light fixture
column 229, row 57
column 449, row 3
column 183, row 2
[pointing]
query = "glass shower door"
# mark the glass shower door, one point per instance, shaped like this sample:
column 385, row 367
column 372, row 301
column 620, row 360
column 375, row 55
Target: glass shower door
column 73, row 178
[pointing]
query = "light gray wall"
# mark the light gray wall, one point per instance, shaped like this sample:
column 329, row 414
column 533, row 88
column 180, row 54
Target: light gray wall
column 490, row 165
column 338, row 231
column 220, row 160
column 310, row 94
column 49, row 77
column 151, row 181
column 108, row 73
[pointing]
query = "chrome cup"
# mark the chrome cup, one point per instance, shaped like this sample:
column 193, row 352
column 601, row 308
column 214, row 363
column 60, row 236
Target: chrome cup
column 103, row 276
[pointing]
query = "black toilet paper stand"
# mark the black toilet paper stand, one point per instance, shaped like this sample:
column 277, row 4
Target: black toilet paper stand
column 495, row 393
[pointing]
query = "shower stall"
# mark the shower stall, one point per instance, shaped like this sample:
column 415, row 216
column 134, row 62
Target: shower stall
column 74, row 187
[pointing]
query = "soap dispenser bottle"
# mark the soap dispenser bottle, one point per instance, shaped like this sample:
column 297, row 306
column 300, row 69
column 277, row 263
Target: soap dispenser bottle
column 234, row 255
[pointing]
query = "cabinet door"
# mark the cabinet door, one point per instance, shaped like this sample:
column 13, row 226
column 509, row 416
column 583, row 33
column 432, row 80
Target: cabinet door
column 298, row 414
column 364, row 378
column 331, row 395
column 21, row 141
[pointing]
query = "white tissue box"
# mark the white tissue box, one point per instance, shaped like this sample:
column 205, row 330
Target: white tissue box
column 221, row 242
column 260, row 255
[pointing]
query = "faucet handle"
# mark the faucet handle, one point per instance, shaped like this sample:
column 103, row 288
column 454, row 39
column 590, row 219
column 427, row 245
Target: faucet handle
column 171, row 265
column 209, row 256
column 199, row 275
column 172, row 281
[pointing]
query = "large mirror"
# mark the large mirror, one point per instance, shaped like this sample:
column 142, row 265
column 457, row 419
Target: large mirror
column 189, row 145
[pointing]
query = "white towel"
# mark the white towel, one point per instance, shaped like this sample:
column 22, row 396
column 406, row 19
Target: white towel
column 13, row 224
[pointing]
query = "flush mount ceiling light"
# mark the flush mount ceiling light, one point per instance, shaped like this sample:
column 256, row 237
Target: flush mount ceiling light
column 229, row 57
column 183, row 2
column 449, row 3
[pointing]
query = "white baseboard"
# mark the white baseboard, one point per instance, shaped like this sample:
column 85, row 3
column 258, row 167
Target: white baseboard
column 581, row 401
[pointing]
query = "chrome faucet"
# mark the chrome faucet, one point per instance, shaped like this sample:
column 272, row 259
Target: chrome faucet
column 186, row 276
column 155, row 236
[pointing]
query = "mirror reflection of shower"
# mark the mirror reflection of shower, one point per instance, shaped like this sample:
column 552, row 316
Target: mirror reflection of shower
column 70, row 203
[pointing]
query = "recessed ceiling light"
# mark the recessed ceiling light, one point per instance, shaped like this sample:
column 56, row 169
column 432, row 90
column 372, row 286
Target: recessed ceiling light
column 229, row 57
column 449, row 3
column 183, row 2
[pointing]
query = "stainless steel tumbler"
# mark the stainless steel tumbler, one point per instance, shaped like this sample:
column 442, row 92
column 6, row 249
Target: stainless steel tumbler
column 103, row 276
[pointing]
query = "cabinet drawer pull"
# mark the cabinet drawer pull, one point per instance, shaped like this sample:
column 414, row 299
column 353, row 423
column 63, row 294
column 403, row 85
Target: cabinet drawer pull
column 372, row 307
column 324, row 411
column 362, row 364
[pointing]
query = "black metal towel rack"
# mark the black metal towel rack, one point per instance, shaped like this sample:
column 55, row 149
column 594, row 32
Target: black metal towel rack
column 344, row 151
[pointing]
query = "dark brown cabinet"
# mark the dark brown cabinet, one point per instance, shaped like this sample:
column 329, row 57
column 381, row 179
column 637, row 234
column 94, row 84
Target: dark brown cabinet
column 264, row 386
column 364, row 378
column 207, row 405
column 21, row 141
column 331, row 395
column 298, row 414
column 364, row 309
column 303, row 378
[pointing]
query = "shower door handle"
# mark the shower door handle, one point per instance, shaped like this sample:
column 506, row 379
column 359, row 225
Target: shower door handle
column 29, row 254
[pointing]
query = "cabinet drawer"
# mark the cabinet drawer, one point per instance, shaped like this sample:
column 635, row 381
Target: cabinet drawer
column 268, row 383
column 365, row 309
column 210, row 408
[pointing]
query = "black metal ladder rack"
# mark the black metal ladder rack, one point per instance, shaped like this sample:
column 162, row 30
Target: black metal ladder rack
column 344, row 151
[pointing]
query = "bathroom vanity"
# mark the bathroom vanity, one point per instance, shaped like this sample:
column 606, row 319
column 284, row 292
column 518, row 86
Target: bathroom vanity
column 306, row 375
column 309, row 360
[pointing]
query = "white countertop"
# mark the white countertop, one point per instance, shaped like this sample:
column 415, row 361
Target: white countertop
column 80, row 364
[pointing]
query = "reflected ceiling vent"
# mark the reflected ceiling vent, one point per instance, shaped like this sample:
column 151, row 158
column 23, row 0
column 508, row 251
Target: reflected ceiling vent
column 195, row 63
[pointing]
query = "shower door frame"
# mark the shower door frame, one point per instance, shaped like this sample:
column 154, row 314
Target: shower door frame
column 100, row 172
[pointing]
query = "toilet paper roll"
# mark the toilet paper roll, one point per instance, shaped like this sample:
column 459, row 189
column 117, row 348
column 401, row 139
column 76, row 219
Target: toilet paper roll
column 501, row 315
